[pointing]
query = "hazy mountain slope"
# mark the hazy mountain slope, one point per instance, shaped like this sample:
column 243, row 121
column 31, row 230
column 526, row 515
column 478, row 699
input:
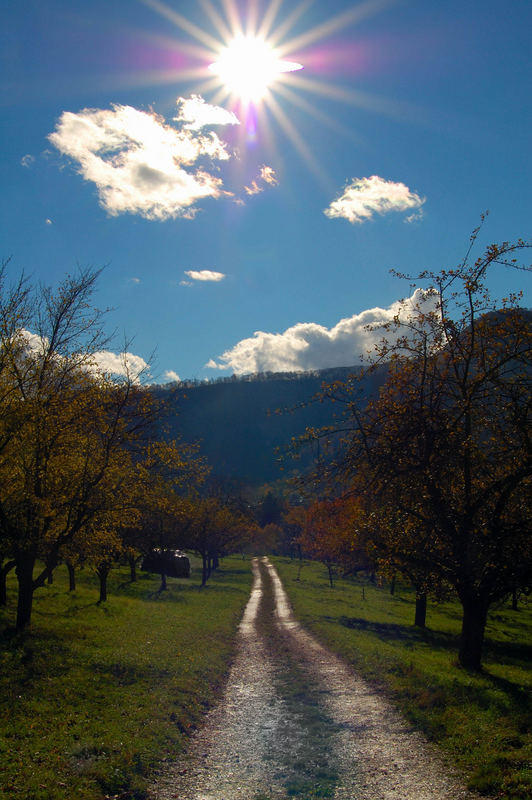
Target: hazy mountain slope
column 240, row 423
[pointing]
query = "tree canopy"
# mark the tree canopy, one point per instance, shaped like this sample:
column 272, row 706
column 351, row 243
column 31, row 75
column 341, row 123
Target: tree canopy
column 442, row 457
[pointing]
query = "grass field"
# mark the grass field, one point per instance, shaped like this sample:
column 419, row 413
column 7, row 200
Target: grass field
column 483, row 721
column 94, row 695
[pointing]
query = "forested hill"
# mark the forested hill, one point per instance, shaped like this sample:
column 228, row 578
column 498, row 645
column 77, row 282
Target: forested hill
column 242, row 422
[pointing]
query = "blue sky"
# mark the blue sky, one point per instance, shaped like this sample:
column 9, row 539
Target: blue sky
column 260, row 238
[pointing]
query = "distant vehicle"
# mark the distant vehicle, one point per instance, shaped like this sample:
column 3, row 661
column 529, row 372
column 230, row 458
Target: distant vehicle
column 173, row 563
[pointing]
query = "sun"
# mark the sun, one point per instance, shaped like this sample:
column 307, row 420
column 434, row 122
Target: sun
column 238, row 57
column 249, row 66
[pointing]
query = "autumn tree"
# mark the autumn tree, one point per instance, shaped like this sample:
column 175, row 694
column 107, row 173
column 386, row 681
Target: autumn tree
column 332, row 531
column 63, row 430
column 447, row 443
column 395, row 543
column 218, row 528
column 163, row 490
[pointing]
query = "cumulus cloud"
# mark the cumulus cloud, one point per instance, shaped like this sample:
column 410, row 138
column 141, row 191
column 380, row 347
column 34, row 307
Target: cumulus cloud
column 141, row 165
column 120, row 364
column 27, row 160
column 309, row 346
column 365, row 197
column 203, row 275
column 170, row 375
column 195, row 114
column 103, row 361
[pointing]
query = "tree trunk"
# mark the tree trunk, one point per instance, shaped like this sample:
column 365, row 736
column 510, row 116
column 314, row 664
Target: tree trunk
column 330, row 570
column 163, row 586
column 4, row 571
column 3, row 587
column 132, row 568
column 475, row 614
column 102, row 573
column 420, row 618
column 24, row 569
column 205, row 568
column 71, row 577
column 392, row 585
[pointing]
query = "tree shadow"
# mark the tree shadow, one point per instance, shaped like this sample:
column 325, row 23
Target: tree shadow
column 409, row 634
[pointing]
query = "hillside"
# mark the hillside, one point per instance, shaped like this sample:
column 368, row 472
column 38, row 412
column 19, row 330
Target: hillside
column 245, row 424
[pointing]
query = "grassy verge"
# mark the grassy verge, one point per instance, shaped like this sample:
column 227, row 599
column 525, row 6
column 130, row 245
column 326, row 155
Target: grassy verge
column 484, row 721
column 95, row 696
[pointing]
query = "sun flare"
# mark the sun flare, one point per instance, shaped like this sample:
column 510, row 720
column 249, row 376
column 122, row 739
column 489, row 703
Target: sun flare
column 248, row 66
column 238, row 62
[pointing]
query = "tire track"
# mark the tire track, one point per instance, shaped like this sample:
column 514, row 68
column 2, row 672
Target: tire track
column 296, row 722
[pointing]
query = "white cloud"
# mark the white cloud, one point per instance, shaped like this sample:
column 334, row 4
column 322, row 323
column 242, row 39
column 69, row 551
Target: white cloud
column 253, row 188
column 196, row 114
column 103, row 361
column 27, row 160
column 140, row 164
column 266, row 176
column 417, row 216
column 134, row 280
column 35, row 344
column 203, row 275
column 170, row 375
column 365, row 197
column 120, row 364
column 48, row 221
column 309, row 346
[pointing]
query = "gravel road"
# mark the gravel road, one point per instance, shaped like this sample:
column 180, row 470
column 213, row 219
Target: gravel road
column 296, row 722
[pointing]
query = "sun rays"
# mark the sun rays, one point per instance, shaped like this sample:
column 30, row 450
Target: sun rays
column 255, row 64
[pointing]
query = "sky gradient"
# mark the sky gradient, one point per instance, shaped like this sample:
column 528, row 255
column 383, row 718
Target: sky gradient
column 243, row 238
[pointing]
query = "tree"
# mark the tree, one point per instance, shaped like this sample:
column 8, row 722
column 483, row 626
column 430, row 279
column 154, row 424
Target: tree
column 331, row 532
column 447, row 443
column 167, row 474
column 270, row 510
column 217, row 529
column 64, row 427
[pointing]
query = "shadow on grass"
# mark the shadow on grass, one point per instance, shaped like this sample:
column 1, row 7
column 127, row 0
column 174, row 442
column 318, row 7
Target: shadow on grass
column 515, row 653
column 519, row 695
column 510, row 697
column 30, row 655
column 392, row 631
column 125, row 674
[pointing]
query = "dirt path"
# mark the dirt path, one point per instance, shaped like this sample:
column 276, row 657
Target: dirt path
column 295, row 722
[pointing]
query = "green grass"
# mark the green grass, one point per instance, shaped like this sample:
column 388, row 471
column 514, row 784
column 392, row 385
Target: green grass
column 483, row 721
column 94, row 697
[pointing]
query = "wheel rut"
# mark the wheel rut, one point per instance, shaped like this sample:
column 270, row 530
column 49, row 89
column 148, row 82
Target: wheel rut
column 296, row 722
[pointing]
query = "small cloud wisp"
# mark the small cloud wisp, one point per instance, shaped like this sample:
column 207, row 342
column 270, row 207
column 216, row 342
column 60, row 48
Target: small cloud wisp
column 203, row 275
